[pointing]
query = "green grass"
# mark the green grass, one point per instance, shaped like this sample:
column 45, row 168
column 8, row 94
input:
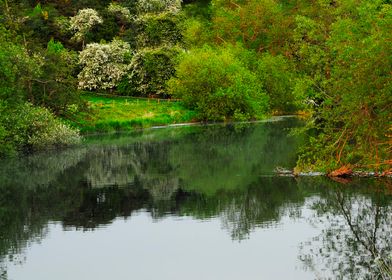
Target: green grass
column 110, row 114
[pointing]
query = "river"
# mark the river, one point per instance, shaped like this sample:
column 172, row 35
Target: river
column 189, row 202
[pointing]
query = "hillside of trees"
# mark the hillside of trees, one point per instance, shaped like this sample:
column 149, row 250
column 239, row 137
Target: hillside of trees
column 226, row 60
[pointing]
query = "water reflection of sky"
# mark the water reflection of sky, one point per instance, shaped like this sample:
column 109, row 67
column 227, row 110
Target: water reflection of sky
column 171, row 248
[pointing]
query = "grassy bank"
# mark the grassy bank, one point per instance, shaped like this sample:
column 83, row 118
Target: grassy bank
column 109, row 114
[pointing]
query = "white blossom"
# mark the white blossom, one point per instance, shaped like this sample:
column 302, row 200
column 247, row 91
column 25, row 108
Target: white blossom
column 83, row 22
column 154, row 6
column 104, row 65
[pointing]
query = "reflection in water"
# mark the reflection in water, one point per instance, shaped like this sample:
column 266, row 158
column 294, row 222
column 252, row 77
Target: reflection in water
column 222, row 172
column 356, row 232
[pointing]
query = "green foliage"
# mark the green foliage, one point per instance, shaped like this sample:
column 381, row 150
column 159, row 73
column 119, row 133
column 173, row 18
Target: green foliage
column 43, row 80
column 107, row 114
column 257, row 24
column 113, row 27
column 158, row 29
column 55, row 86
column 355, row 114
column 150, row 69
column 277, row 77
column 196, row 32
column 37, row 11
column 54, row 47
column 17, row 69
column 218, row 85
column 120, row 12
column 25, row 127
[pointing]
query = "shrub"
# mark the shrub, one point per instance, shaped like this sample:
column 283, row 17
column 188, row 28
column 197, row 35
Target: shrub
column 6, row 146
column 45, row 79
column 196, row 32
column 25, row 127
column 150, row 69
column 46, row 131
column 158, row 29
column 218, row 85
column 278, row 82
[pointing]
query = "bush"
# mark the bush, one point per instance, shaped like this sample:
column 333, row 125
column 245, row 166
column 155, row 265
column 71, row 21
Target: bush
column 5, row 146
column 26, row 127
column 196, row 32
column 158, row 29
column 218, row 85
column 122, row 13
column 278, row 82
column 150, row 69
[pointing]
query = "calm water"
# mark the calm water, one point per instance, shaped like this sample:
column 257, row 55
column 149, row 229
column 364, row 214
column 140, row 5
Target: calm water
column 198, row 202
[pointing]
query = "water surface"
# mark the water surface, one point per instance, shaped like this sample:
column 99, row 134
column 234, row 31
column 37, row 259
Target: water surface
column 199, row 202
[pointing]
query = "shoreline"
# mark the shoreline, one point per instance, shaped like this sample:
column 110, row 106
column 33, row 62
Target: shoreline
column 272, row 118
column 354, row 174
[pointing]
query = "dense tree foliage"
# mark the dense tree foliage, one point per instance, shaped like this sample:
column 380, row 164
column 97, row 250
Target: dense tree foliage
column 43, row 79
column 219, row 85
column 149, row 71
column 330, row 58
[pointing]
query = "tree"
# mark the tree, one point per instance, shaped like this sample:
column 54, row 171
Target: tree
column 149, row 70
column 158, row 6
column 356, row 106
column 277, row 75
column 104, row 65
column 120, row 12
column 18, row 69
column 218, row 85
column 157, row 39
column 83, row 22
column 257, row 24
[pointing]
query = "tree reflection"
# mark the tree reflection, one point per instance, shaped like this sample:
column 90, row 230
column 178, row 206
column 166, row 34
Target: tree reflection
column 356, row 238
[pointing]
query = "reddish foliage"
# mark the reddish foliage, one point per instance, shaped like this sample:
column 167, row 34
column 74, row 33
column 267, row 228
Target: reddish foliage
column 387, row 172
column 343, row 171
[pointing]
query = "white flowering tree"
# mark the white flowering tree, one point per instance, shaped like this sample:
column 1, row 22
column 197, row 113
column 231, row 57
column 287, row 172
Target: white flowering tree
column 104, row 65
column 83, row 22
column 158, row 6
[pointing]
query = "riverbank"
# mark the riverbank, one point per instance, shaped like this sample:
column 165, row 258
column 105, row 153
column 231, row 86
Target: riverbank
column 107, row 114
column 111, row 114
column 337, row 175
